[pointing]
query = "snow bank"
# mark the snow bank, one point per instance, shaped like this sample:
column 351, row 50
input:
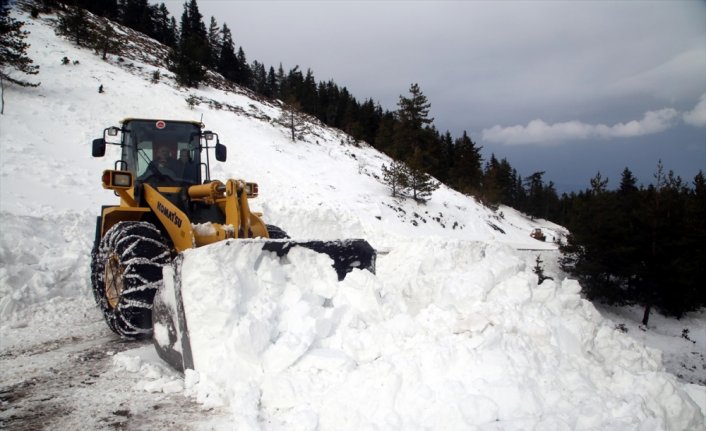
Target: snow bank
column 463, row 337
column 42, row 257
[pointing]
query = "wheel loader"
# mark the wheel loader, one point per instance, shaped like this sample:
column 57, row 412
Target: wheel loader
column 169, row 204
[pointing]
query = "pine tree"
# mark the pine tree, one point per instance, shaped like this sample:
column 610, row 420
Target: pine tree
column 369, row 116
column 308, row 95
column 500, row 183
column 259, row 77
column 192, row 52
column 598, row 184
column 639, row 246
column 271, row 85
column 13, row 50
column 420, row 183
column 396, row 177
column 138, row 15
column 214, row 42
column 107, row 41
column 628, row 182
column 292, row 119
column 244, row 74
column 466, row 173
column 13, row 54
column 447, row 162
column 411, row 131
column 164, row 26
column 385, row 136
column 539, row 270
column 75, row 25
column 106, row 8
column 414, row 111
column 227, row 61
column 540, row 200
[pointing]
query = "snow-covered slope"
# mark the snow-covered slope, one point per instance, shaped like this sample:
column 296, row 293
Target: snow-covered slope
column 453, row 331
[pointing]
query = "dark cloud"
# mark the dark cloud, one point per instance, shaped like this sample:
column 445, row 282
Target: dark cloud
column 526, row 70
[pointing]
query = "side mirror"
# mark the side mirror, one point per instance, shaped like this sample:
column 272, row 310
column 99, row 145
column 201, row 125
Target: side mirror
column 113, row 131
column 221, row 152
column 99, row 147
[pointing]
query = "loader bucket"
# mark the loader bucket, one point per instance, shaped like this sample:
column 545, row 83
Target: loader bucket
column 248, row 265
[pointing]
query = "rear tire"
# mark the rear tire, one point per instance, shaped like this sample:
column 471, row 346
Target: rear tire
column 126, row 271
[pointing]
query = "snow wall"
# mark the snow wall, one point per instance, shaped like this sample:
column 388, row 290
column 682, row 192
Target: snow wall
column 283, row 345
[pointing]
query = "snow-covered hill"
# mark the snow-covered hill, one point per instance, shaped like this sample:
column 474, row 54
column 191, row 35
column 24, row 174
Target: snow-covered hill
column 453, row 332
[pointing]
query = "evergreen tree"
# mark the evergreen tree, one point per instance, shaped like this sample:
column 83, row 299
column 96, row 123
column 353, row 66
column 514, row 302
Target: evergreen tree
column 639, row 246
column 396, row 177
column 259, row 77
column 369, row 115
column 308, row 94
column 227, row 61
column 692, row 268
column 412, row 131
column 414, row 111
column 291, row 117
column 628, row 182
column 138, row 15
column 385, row 136
column 420, row 183
column 281, row 81
column 598, row 184
column 466, row 173
column 447, row 163
column 164, row 26
column 107, row 41
column 540, row 200
column 539, row 270
column 244, row 74
column 13, row 50
column 13, row 54
column 214, row 42
column 75, row 25
column 271, row 84
column 192, row 52
column 500, row 182
column 105, row 8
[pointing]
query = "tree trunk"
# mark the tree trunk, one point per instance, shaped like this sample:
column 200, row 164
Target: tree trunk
column 2, row 96
column 646, row 315
column 291, row 125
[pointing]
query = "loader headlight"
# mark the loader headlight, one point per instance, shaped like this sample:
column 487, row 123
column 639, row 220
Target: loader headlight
column 121, row 179
column 251, row 189
column 117, row 179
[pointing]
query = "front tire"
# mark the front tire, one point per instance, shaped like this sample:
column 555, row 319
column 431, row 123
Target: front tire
column 126, row 271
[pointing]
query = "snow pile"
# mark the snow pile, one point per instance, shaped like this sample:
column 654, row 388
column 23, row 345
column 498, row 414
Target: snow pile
column 40, row 257
column 462, row 338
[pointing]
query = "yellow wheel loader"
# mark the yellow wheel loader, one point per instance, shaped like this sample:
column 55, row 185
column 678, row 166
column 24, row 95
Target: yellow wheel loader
column 168, row 204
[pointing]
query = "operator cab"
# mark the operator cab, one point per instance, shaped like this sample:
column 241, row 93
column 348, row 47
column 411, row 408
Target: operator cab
column 163, row 153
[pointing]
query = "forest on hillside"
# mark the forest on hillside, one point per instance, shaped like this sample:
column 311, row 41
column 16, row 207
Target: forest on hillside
column 635, row 244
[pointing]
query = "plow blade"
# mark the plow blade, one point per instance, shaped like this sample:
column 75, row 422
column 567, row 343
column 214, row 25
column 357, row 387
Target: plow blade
column 228, row 273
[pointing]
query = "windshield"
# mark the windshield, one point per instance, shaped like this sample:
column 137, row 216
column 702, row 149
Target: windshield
column 162, row 151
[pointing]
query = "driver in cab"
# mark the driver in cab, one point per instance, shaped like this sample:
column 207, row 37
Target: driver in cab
column 166, row 164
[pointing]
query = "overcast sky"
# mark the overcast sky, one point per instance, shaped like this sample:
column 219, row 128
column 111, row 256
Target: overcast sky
column 570, row 88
